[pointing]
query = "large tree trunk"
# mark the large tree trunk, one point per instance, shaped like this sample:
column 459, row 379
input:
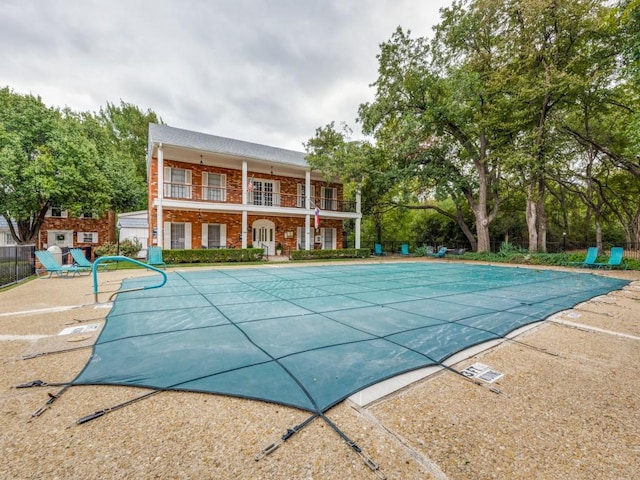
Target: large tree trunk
column 531, row 214
column 542, row 218
column 27, row 231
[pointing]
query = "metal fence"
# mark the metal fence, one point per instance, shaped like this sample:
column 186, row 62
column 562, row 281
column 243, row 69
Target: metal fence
column 16, row 263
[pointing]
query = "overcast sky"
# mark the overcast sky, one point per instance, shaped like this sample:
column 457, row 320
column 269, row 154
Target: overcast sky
column 265, row 71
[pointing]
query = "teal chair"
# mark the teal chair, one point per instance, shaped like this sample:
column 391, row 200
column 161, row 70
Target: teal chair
column 439, row 254
column 81, row 261
column 377, row 250
column 404, row 249
column 154, row 257
column 615, row 259
column 50, row 266
column 589, row 260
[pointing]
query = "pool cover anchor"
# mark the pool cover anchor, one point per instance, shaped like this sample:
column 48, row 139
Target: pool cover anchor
column 368, row 461
column 52, row 397
column 104, row 411
column 269, row 449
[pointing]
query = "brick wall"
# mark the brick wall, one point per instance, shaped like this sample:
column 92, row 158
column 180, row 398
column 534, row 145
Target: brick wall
column 104, row 226
column 233, row 221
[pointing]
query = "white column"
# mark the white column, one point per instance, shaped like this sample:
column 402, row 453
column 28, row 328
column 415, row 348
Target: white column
column 245, row 232
column 307, row 190
column 359, row 218
column 159, row 224
column 244, row 182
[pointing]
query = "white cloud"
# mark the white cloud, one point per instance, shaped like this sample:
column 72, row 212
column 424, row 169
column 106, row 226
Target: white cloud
column 266, row 71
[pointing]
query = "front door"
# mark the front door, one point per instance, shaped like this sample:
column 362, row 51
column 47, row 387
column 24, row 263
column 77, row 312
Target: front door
column 264, row 235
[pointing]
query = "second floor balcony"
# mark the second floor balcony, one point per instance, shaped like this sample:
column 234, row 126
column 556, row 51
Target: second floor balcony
column 265, row 198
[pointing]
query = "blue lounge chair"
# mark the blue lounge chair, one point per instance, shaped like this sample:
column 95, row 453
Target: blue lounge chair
column 589, row 260
column 154, row 257
column 439, row 254
column 50, row 265
column 404, row 249
column 81, row 261
column 615, row 259
column 377, row 250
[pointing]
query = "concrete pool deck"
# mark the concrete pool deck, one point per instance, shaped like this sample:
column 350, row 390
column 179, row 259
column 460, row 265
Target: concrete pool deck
column 569, row 413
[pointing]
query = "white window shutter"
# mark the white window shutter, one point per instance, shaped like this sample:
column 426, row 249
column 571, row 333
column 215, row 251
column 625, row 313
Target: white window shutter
column 187, row 236
column 48, row 214
column 334, row 238
column 64, row 214
column 223, row 180
column 95, row 237
column 204, row 190
column 205, row 179
column 79, row 237
column 223, row 235
column 166, row 241
column 187, row 180
column 205, row 234
column 167, row 182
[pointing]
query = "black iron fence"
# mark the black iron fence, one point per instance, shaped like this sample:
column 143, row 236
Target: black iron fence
column 16, row 263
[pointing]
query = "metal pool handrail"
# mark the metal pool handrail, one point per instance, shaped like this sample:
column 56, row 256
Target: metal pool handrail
column 120, row 258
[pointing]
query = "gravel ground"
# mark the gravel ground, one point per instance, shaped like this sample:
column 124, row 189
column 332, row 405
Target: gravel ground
column 568, row 408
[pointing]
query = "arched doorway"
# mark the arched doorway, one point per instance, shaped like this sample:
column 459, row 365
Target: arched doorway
column 263, row 235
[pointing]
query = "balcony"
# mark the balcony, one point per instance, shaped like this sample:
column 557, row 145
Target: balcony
column 233, row 196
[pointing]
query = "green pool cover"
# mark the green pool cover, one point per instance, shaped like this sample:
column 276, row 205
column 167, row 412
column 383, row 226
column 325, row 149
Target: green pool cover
column 310, row 336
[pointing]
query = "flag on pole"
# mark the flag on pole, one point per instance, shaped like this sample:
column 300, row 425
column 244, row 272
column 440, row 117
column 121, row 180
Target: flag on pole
column 317, row 215
column 250, row 185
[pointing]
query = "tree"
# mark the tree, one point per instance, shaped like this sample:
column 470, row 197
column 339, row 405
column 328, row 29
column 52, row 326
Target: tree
column 47, row 158
column 128, row 128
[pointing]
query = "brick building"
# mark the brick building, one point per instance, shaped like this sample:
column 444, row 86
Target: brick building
column 213, row 192
column 65, row 231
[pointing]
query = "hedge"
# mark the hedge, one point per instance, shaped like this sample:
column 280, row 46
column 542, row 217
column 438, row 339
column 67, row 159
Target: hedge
column 213, row 255
column 325, row 254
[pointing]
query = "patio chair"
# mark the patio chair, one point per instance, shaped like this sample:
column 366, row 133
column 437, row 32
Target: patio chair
column 50, row 265
column 377, row 250
column 440, row 253
column 615, row 259
column 589, row 260
column 154, row 257
column 81, row 261
column 404, row 249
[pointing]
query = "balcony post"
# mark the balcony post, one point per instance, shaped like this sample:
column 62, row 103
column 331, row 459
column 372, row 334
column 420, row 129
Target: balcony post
column 159, row 224
column 244, row 184
column 359, row 217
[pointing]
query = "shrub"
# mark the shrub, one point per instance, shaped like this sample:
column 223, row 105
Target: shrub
column 128, row 248
column 326, row 254
column 213, row 255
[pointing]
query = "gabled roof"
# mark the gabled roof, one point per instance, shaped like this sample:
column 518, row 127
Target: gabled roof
column 229, row 146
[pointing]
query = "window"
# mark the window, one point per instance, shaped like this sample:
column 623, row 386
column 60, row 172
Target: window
column 301, row 194
column 265, row 192
column 213, row 187
column 8, row 239
column 177, row 236
column 214, row 235
column 177, row 182
column 301, row 239
column 87, row 237
column 56, row 211
column 329, row 199
column 86, row 214
column 328, row 236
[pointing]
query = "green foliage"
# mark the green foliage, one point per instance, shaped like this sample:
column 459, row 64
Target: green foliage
column 213, row 255
column 421, row 251
column 328, row 254
column 128, row 248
